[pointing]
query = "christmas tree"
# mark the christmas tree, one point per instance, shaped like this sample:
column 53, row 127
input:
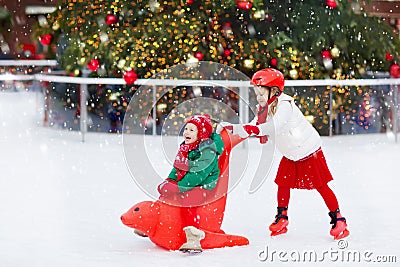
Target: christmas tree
column 5, row 19
column 314, row 39
column 303, row 39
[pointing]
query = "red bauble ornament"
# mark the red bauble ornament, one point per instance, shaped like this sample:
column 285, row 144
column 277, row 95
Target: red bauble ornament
column 227, row 52
column 331, row 3
column 46, row 39
column 243, row 4
column 130, row 77
column 199, row 55
column 327, row 59
column 93, row 64
column 389, row 56
column 395, row 71
column 326, row 54
column 189, row 2
column 273, row 62
column 111, row 19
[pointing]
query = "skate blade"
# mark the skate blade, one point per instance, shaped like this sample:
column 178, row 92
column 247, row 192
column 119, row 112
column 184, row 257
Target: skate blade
column 191, row 251
column 275, row 233
column 343, row 234
column 140, row 233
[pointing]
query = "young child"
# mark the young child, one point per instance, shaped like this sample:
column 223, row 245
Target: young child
column 195, row 172
column 303, row 165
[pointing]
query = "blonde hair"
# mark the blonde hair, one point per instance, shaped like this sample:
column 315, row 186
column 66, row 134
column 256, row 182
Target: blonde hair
column 272, row 107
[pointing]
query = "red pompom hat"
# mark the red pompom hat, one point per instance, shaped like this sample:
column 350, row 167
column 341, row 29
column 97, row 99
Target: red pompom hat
column 203, row 124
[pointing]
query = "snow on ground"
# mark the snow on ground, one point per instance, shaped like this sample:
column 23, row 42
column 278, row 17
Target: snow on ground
column 61, row 199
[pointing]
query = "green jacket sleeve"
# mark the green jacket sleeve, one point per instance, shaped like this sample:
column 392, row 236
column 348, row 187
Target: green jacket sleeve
column 172, row 175
column 199, row 170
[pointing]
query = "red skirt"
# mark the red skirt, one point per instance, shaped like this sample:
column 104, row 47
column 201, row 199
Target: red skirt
column 308, row 173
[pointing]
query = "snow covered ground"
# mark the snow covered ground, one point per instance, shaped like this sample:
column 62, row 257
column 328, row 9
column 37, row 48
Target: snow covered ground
column 61, row 200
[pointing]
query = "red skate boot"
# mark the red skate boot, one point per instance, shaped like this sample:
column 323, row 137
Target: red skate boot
column 279, row 226
column 339, row 225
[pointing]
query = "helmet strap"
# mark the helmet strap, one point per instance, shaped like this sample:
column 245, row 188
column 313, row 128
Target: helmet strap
column 273, row 97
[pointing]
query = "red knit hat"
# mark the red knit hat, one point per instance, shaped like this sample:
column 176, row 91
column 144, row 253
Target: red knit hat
column 203, row 124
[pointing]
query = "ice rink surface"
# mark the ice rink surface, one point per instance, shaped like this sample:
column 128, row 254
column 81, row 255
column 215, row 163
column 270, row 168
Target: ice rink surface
column 61, row 200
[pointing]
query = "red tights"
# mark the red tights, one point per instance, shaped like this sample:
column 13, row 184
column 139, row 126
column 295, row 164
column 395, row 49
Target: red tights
column 326, row 193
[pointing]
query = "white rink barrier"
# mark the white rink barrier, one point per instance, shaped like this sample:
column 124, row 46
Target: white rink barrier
column 242, row 85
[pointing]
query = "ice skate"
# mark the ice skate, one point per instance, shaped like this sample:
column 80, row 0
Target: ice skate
column 279, row 226
column 339, row 225
column 193, row 238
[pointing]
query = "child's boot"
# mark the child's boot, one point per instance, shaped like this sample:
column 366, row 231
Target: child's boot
column 193, row 238
column 339, row 225
column 279, row 226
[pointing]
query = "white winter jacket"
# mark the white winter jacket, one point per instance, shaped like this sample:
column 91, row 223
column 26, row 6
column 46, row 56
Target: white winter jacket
column 293, row 135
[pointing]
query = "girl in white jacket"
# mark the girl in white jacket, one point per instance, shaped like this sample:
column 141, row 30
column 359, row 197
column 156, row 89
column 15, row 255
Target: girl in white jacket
column 303, row 164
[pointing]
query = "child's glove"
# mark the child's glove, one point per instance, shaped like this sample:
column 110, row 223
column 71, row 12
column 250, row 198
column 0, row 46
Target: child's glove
column 251, row 129
column 233, row 128
column 168, row 187
column 263, row 139
column 223, row 125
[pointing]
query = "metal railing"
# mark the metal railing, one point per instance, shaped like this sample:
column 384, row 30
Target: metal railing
column 327, row 89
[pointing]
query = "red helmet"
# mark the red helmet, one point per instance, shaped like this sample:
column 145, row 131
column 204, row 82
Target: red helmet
column 268, row 77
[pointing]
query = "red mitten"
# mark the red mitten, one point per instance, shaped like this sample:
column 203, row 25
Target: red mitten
column 168, row 187
column 263, row 139
column 251, row 129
